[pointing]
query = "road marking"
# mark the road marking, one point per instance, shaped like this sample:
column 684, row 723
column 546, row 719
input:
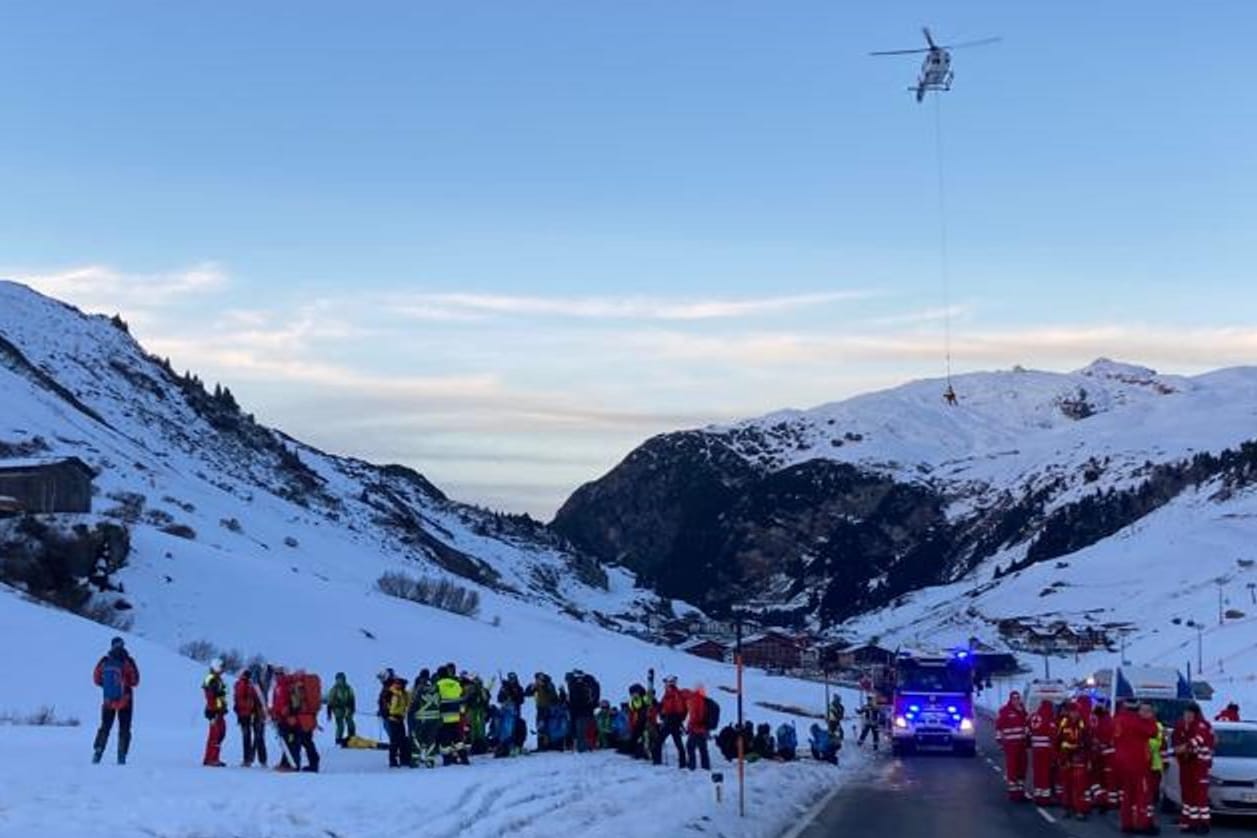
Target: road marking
column 813, row 813
column 1043, row 813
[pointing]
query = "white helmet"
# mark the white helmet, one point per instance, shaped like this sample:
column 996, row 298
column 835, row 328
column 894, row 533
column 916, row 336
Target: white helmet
column 216, row 665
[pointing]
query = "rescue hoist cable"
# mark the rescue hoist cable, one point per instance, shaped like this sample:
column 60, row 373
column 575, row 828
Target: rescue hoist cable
column 944, row 277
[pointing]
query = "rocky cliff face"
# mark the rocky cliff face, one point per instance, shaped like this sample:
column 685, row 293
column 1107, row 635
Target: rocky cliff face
column 815, row 516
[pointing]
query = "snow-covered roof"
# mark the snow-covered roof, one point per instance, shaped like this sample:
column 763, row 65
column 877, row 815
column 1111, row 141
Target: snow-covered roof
column 698, row 642
column 27, row 463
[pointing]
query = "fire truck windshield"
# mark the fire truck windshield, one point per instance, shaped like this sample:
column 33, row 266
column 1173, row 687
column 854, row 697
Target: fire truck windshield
column 934, row 679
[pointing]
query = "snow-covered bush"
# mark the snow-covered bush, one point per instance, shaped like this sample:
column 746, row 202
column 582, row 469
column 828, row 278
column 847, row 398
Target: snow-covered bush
column 99, row 611
column 205, row 651
column 439, row 593
column 45, row 716
column 180, row 531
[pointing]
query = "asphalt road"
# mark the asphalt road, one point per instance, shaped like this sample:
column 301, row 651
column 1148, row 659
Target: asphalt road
column 942, row 796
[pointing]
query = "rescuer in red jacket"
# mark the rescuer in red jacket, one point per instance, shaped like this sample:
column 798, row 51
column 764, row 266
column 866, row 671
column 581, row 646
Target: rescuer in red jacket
column 672, row 710
column 1012, row 731
column 1133, row 734
column 1229, row 713
column 1193, row 748
column 696, row 741
column 1104, row 785
column 1073, row 744
column 1043, row 752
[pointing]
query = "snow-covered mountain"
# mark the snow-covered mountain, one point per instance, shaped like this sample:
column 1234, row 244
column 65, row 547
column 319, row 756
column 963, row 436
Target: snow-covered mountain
column 208, row 528
column 189, row 473
column 824, row 514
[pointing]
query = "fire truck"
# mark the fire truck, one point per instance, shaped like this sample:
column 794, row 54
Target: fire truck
column 932, row 706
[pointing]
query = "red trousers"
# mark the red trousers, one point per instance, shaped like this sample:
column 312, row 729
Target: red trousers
column 1136, row 804
column 1015, row 763
column 1076, row 781
column 1154, row 795
column 1042, row 763
column 1105, row 787
column 214, row 740
column 1194, row 777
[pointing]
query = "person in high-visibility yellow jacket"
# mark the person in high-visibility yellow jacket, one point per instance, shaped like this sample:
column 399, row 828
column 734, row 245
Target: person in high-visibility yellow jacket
column 398, row 742
column 452, row 743
column 1158, row 746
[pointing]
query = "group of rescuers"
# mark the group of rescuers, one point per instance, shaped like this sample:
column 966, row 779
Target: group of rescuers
column 1086, row 758
column 449, row 714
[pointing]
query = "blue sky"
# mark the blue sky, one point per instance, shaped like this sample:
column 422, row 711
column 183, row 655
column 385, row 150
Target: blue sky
column 504, row 242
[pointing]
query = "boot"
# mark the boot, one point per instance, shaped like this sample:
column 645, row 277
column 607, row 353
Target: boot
column 310, row 769
column 122, row 757
column 285, row 767
column 97, row 754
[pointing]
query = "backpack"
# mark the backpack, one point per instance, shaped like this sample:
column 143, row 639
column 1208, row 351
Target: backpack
column 112, row 681
column 312, row 689
column 246, row 698
column 711, row 709
column 506, row 725
column 559, row 724
column 786, row 738
column 595, row 690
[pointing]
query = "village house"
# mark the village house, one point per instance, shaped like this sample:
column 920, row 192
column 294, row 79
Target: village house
column 47, row 484
column 772, row 649
column 705, row 647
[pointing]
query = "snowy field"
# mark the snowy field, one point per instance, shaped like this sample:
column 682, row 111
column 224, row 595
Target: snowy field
column 49, row 788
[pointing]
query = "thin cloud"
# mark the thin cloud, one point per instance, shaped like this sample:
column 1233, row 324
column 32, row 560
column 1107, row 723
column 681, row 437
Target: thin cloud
column 244, row 363
column 99, row 287
column 1208, row 346
column 459, row 306
column 927, row 315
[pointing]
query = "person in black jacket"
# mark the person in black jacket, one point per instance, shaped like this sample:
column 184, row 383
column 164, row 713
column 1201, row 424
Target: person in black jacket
column 583, row 693
column 385, row 698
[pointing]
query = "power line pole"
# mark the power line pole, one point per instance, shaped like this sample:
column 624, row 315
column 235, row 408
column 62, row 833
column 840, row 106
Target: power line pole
column 737, row 660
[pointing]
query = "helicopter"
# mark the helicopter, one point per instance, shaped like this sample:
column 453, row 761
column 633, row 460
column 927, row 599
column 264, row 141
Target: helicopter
column 936, row 71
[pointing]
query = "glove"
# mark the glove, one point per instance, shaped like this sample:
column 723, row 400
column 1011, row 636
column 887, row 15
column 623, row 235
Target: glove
column 209, row 714
column 329, row 714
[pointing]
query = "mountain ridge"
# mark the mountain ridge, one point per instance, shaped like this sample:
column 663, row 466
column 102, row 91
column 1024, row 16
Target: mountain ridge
column 995, row 475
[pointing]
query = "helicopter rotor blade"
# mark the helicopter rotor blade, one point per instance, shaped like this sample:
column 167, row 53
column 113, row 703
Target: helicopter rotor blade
column 928, row 38
column 900, row 51
column 981, row 42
